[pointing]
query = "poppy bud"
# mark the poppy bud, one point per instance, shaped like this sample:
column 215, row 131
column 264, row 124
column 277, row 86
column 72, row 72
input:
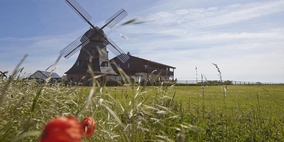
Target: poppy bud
column 89, row 126
column 63, row 129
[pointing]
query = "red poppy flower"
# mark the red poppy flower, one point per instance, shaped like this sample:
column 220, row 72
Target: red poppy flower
column 89, row 126
column 63, row 129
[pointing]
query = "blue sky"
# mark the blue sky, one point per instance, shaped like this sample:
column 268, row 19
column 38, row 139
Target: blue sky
column 245, row 38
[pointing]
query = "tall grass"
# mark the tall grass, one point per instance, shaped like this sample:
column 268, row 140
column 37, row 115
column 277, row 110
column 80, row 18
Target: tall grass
column 145, row 113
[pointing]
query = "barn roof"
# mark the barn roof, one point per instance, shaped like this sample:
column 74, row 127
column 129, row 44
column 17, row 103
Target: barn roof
column 130, row 56
column 44, row 74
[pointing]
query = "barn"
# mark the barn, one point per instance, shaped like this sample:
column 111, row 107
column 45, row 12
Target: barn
column 134, row 67
column 43, row 75
column 144, row 69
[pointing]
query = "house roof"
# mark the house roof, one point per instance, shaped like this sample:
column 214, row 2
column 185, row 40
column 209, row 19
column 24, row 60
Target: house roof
column 45, row 74
column 130, row 56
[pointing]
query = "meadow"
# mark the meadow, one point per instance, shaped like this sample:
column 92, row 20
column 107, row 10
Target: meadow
column 146, row 113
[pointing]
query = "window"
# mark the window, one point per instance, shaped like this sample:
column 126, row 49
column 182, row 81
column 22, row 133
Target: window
column 104, row 64
column 128, row 65
column 78, row 63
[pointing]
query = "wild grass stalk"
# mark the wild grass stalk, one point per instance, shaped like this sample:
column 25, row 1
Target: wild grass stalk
column 145, row 113
column 224, row 87
column 10, row 80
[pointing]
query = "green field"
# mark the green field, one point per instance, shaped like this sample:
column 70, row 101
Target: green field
column 146, row 113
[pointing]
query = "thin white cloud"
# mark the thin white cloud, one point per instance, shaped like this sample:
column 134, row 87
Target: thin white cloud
column 181, row 11
column 213, row 16
column 237, row 13
column 182, row 34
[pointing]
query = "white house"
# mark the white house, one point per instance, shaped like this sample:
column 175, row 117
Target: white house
column 43, row 75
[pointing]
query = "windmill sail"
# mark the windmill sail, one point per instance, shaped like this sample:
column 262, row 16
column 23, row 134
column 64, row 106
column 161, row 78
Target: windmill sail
column 123, row 57
column 83, row 40
column 116, row 51
column 94, row 57
column 113, row 20
column 73, row 47
column 80, row 11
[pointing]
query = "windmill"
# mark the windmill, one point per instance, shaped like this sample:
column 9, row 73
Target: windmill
column 92, row 46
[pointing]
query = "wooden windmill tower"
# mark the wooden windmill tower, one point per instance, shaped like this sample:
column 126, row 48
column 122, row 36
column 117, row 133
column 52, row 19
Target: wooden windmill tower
column 92, row 46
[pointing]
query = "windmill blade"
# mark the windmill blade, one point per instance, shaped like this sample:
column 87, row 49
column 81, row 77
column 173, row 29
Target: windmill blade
column 113, row 20
column 80, row 11
column 116, row 50
column 123, row 57
column 73, row 47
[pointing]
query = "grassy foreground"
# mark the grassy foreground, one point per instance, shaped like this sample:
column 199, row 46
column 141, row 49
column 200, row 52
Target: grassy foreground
column 138, row 113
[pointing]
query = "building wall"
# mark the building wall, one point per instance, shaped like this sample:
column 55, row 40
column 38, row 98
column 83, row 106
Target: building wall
column 76, row 78
column 38, row 74
column 86, row 79
column 147, row 70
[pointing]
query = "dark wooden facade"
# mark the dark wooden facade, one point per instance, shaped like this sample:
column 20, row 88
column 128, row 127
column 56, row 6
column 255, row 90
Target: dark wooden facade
column 93, row 54
column 145, row 69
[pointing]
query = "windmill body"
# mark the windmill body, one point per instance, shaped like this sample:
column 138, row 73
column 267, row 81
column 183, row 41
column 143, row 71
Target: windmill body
column 93, row 56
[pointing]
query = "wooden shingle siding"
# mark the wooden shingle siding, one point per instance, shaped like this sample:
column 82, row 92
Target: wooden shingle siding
column 135, row 66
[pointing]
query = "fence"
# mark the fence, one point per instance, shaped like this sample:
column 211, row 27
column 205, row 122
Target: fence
column 194, row 82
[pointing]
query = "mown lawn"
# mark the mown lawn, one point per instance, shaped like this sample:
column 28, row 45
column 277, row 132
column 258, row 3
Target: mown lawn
column 151, row 113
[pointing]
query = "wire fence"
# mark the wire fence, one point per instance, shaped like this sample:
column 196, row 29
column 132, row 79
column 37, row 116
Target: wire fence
column 232, row 82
